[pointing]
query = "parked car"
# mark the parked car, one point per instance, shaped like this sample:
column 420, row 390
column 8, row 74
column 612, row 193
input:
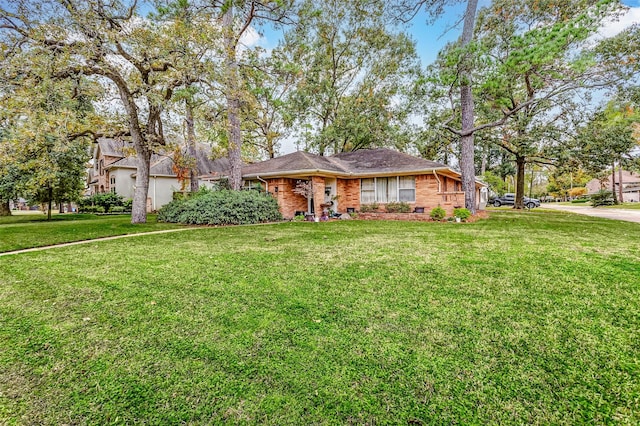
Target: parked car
column 509, row 199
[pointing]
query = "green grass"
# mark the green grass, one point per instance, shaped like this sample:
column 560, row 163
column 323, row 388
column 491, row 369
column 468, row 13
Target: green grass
column 525, row 318
column 26, row 231
column 626, row 206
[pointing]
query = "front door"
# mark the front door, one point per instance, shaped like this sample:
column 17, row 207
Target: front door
column 330, row 191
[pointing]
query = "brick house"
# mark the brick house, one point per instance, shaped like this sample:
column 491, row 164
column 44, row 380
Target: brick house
column 345, row 182
column 114, row 170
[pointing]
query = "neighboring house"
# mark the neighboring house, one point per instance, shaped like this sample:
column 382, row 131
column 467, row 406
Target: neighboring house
column 630, row 185
column 345, row 182
column 114, row 170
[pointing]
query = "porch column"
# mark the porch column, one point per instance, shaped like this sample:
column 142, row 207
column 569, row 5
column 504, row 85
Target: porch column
column 318, row 194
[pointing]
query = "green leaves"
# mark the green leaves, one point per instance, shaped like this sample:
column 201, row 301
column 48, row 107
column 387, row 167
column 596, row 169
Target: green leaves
column 357, row 76
column 222, row 207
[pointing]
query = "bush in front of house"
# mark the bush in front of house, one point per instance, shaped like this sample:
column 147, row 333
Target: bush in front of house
column 368, row 208
column 222, row 207
column 462, row 213
column 602, row 198
column 438, row 213
column 400, row 207
column 106, row 200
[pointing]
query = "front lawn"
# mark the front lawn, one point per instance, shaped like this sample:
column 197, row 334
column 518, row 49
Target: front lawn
column 33, row 230
column 525, row 318
column 626, row 206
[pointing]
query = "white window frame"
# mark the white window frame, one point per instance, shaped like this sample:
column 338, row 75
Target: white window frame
column 398, row 188
column 412, row 188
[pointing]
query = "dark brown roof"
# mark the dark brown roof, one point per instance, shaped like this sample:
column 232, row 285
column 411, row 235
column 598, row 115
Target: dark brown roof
column 298, row 161
column 360, row 162
column 385, row 160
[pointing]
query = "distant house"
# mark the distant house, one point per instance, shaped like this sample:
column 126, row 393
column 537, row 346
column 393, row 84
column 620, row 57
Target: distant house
column 345, row 182
column 114, row 170
column 630, row 185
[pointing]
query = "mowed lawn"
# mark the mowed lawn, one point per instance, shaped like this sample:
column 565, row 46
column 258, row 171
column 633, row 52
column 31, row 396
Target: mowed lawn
column 33, row 230
column 524, row 318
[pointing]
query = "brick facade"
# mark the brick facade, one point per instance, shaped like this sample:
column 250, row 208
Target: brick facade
column 104, row 182
column 428, row 197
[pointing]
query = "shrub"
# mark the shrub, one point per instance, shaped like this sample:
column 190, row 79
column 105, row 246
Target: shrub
column 580, row 200
column 602, row 198
column 400, row 207
column 298, row 218
column 462, row 213
column 438, row 213
column 223, row 207
column 128, row 205
column 106, row 200
column 366, row 208
column 117, row 209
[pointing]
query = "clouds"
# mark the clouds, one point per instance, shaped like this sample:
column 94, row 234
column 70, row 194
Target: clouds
column 612, row 28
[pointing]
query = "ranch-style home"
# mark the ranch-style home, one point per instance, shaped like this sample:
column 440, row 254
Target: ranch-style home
column 345, row 182
column 340, row 183
column 114, row 170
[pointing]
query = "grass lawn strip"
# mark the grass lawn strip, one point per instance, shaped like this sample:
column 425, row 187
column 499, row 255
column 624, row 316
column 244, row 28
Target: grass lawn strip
column 523, row 318
column 166, row 231
column 28, row 231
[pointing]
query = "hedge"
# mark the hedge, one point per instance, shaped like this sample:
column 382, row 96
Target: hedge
column 222, row 207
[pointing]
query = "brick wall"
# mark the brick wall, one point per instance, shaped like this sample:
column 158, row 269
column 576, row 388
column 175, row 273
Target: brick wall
column 348, row 190
column 318, row 195
column 427, row 195
column 288, row 201
column 104, row 175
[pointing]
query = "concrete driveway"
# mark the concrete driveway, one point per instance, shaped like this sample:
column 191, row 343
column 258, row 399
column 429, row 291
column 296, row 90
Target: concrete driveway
column 617, row 214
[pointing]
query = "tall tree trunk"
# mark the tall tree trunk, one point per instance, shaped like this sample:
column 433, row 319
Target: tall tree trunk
column 520, row 168
column 613, row 183
column 191, row 146
column 143, row 152
column 233, row 101
column 621, row 198
column 139, row 205
column 467, row 114
column 5, row 209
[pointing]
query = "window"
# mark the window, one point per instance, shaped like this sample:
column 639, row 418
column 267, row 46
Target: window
column 253, row 184
column 112, row 181
column 407, row 188
column 367, row 191
column 388, row 190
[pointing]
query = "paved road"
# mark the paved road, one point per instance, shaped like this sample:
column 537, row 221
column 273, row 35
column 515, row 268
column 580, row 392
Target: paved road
column 617, row 214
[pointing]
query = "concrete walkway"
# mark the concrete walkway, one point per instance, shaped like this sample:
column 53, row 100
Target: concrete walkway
column 616, row 214
column 115, row 237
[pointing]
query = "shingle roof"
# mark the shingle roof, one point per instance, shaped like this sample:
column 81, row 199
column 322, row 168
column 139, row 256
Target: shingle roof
column 384, row 160
column 296, row 161
column 113, row 147
column 162, row 165
column 360, row 162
